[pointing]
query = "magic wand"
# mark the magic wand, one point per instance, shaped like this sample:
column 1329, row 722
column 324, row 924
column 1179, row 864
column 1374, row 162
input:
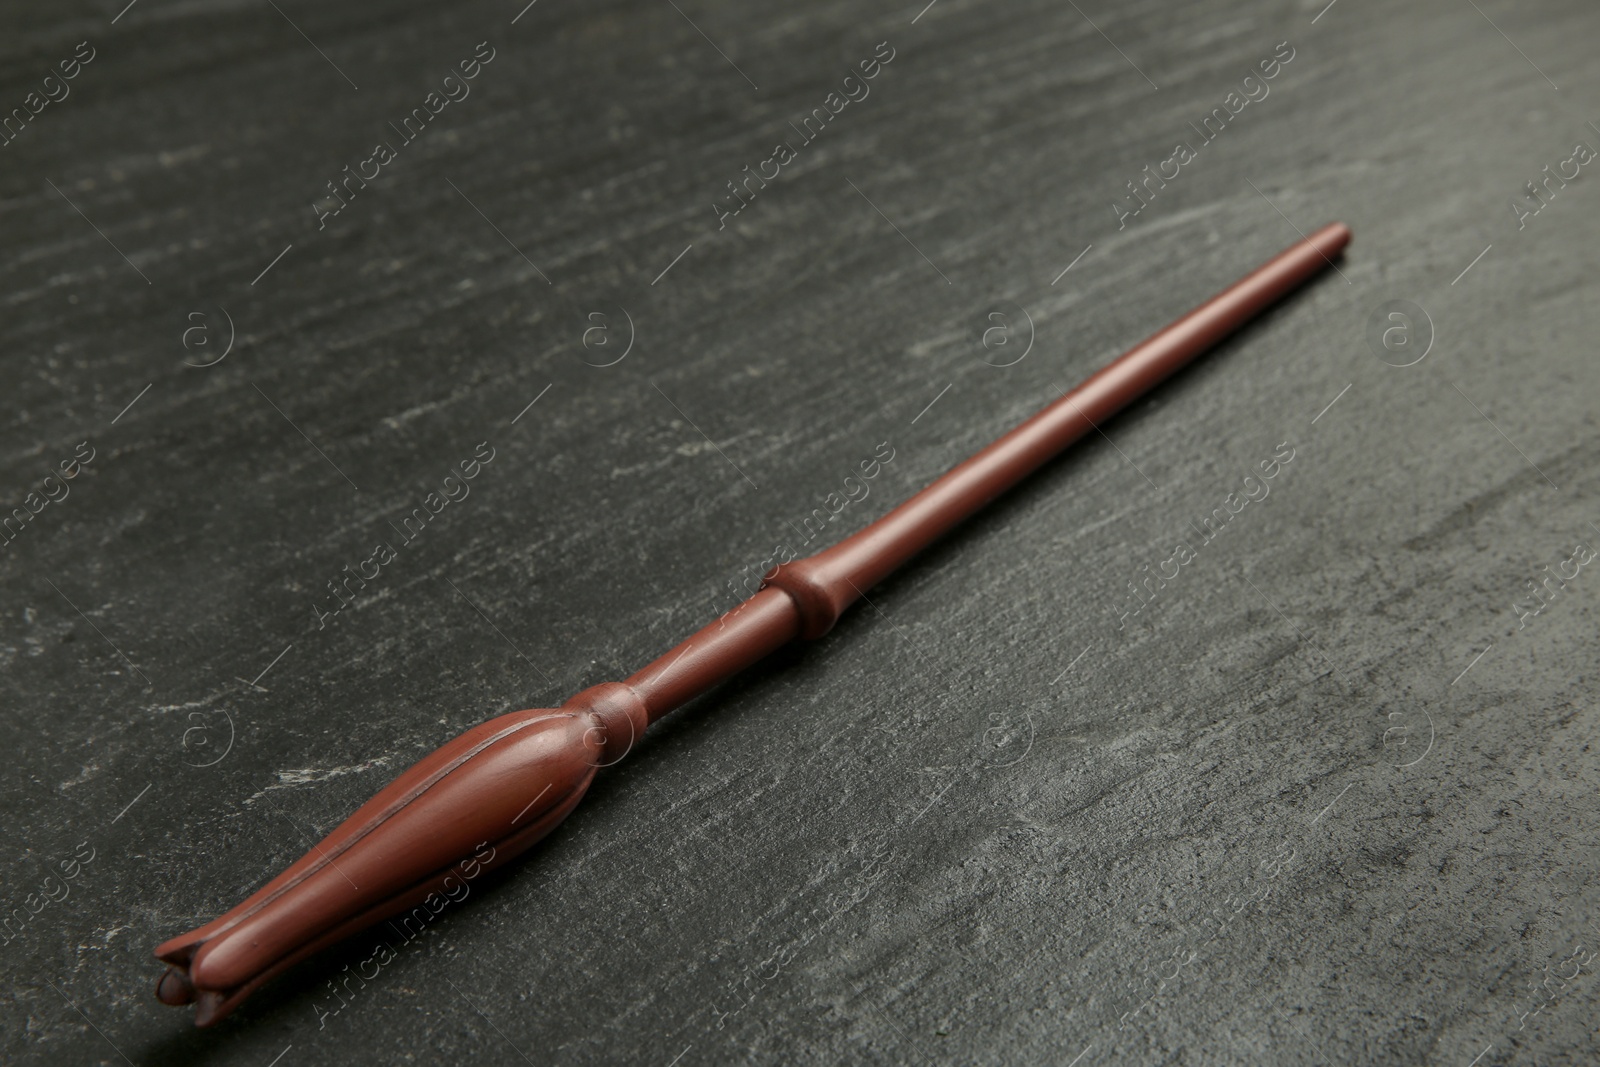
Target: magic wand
column 492, row 792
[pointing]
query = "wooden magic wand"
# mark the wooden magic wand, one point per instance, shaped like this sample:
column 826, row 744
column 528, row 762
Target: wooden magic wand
column 494, row 791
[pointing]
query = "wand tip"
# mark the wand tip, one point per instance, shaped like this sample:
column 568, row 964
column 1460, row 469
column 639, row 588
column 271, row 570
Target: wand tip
column 1331, row 239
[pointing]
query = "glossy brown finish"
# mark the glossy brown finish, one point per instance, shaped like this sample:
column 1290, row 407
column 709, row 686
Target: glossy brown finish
column 491, row 793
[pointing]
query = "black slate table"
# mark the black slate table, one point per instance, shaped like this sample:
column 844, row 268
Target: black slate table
column 1326, row 794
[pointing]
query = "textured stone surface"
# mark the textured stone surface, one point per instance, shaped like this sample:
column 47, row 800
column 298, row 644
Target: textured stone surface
column 1269, row 819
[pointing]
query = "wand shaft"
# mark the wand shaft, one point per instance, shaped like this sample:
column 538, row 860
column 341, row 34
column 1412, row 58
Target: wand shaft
column 805, row 598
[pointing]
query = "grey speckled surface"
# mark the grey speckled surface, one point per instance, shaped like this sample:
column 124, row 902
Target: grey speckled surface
column 1325, row 800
